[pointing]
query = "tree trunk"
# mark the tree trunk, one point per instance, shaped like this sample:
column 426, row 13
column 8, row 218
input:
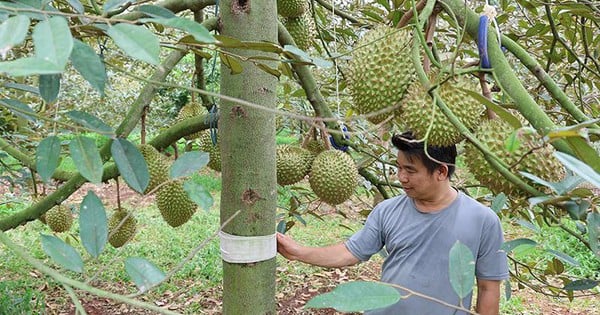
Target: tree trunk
column 247, row 139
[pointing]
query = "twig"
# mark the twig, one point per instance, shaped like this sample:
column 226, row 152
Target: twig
column 79, row 309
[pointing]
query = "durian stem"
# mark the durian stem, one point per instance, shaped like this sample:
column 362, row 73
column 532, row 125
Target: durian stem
column 79, row 309
column 411, row 13
column 494, row 161
column 375, row 181
column 341, row 13
column 514, row 88
column 421, row 37
column 21, row 253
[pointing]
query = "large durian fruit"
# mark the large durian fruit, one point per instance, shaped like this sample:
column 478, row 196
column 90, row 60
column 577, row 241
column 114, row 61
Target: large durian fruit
column 158, row 166
column 206, row 144
column 528, row 157
column 175, row 206
column 119, row 235
column 192, row 109
column 59, row 218
column 302, row 29
column 333, row 176
column 380, row 71
column 293, row 164
column 419, row 111
column 291, row 8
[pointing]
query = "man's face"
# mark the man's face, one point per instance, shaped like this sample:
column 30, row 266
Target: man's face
column 416, row 181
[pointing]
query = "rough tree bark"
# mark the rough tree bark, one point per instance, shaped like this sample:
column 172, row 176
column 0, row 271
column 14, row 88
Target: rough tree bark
column 247, row 138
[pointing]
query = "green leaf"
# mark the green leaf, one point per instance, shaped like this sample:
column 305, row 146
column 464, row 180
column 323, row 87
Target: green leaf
column 232, row 63
column 137, row 41
column 77, row 6
column 356, row 296
column 49, row 86
column 199, row 194
column 581, row 284
column 87, row 158
column 18, row 108
column 144, row 274
column 512, row 143
column 89, row 121
column 462, row 269
column 28, row 66
column 47, row 157
column 189, row 163
column 509, row 246
column 12, row 33
column 113, row 4
column 499, row 202
column 593, row 223
column 194, row 28
column 131, row 164
column 62, row 253
column 156, row 11
column 89, row 65
column 93, row 228
column 579, row 168
column 500, row 111
column 564, row 257
column 53, row 41
column 528, row 225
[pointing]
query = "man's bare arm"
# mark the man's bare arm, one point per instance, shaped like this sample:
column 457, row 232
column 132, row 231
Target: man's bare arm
column 330, row 256
column 488, row 297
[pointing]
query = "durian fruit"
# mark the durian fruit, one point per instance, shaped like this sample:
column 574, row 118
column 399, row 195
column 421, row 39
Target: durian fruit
column 158, row 166
column 291, row 8
column 206, row 145
column 190, row 110
column 315, row 146
column 333, row 176
column 302, row 29
column 419, row 111
column 539, row 161
column 380, row 71
column 174, row 204
column 118, row 236
column 59, row 218
column 293, row 164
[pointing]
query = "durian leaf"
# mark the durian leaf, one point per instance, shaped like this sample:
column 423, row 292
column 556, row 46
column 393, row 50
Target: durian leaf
column 578, row 130
column 579, row 168
column 499, row 202
column 144, row 274
column 47, row 157
column 131, row 164
column 507, row 290
column 156, row 11
column 93, row 228
column 189, row 163
column 509, row 246
column 62, row 253
column 269, row 70
column 87, row 158
column 137, row 41
column 564, row 257
column 113, row 4
column 199, row 194
column 356, row 296
column 53, row 41
column 581, row 284
column 76, row 4
column 29, row 66
column 577, row 210
column 18, row 108
column 512, row 143
column 49, row 86
column 91, row 122
column 200, row 33
column 538, row 180
column 500, row 111
column 462, row 269
column 233, row 64
column 528, row 225
column 89, row 65
column 13, row 32
column 593, row 227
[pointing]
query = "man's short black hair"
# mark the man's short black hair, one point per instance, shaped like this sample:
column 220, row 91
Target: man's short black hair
column 410, row 146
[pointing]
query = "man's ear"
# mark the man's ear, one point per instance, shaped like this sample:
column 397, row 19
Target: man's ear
column 442, row 172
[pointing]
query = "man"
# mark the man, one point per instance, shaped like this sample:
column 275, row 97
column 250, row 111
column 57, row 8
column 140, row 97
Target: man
column 418, row 230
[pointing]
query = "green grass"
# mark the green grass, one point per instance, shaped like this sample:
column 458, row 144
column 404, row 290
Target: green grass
column 17, row 299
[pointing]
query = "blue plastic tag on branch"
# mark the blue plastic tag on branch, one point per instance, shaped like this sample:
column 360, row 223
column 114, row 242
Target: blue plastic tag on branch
column 340, row 147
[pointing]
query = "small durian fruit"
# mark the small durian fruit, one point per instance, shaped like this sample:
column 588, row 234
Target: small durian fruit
column 118, row 236
column 315, row 146
column 302, row 29
column 380, row 71
column 206, row 144
column 59, row 218
column 192, row 109
column 158, row 166
column 419, row 111
column 539, row 161
column 291, row 8
column 333, row 176
column 293, row 164
column 174, row 204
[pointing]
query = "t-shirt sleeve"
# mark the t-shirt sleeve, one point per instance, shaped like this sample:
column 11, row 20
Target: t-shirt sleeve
column 491, row 262
column 369, row 240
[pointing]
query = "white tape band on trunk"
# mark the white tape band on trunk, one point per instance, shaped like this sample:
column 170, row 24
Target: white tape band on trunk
column 247, row 249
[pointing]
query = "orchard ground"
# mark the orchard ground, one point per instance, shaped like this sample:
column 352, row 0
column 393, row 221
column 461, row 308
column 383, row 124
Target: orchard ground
column 197, row 290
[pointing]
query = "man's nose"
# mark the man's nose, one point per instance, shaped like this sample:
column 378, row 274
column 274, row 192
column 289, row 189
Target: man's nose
column 402, row 177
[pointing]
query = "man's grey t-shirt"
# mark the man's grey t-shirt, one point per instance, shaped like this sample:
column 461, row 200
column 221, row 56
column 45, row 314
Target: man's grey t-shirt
column 419, row 244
